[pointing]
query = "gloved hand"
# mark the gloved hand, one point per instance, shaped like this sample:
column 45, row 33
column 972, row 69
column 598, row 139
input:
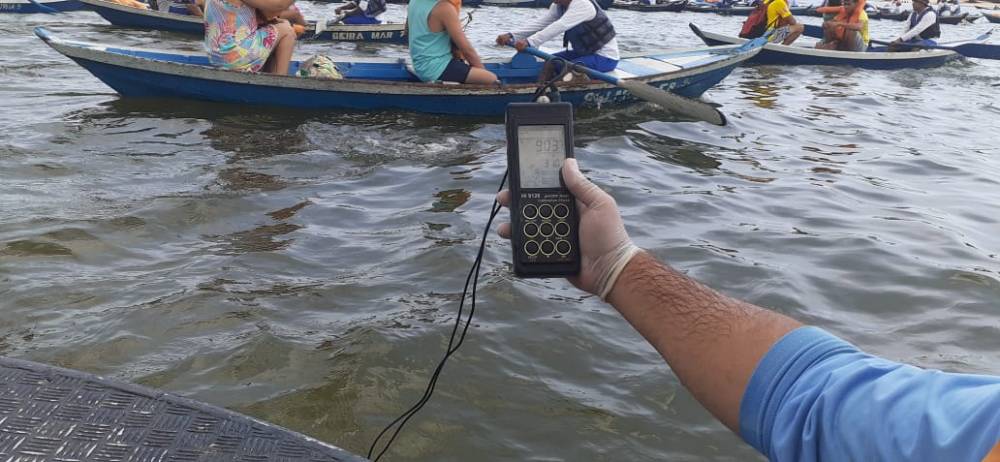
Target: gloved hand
column 605, row 247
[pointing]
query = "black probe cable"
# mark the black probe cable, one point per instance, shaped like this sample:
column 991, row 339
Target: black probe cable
column 453, row 346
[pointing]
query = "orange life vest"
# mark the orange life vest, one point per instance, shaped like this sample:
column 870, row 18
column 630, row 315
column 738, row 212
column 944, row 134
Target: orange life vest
column 850, row 17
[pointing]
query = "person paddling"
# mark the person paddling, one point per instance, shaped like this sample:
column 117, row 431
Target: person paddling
column 353, row 14
column 848, row 30
column 586, row 28
column 923, row 28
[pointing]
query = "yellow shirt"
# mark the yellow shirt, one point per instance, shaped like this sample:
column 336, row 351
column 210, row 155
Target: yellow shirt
column 863, row 19
column 776, row 9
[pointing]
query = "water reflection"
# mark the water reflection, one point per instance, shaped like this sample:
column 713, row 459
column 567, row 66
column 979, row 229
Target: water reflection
column 759, row 86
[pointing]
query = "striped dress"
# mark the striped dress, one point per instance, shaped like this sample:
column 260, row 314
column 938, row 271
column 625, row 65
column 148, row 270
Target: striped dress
column 233, row 39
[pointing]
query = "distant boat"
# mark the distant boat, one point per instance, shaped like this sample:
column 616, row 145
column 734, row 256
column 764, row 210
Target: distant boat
column 517, row 3
column 885, row 13
column 465, row 3
column 778, row 54
column 26, row 7
column 952, row 19
column 746, row 10
column 673, row 6
column 126, row 16
column 382, row 84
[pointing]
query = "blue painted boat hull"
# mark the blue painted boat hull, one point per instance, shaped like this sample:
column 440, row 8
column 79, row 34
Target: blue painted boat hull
column 138, row 21
column 30, row 8
column 780, row 55
column 381, row 84
column 141, row 19
column 144, row 84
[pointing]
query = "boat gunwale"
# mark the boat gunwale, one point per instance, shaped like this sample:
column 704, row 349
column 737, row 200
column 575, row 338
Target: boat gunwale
column 100, row 54
column 836, row 54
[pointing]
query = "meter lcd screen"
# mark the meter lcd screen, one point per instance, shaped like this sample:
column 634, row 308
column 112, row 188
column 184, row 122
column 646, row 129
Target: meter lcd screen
column 541, row 151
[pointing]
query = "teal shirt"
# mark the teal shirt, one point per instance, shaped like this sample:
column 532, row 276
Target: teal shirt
column 430, row 51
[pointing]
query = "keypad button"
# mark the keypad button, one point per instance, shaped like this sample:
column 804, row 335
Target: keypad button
column 529, row 211
column 562, row 229
column 547, row 247
column 531, row 230
column 546, row 229
column 545, row 211
column 531, row 248
column 563, row 247
column 561, row 211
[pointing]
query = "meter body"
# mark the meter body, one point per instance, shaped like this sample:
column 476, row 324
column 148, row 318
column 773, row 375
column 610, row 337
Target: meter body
column 544, row 219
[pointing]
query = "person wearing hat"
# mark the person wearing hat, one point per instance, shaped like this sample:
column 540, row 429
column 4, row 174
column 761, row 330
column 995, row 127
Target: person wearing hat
column 923, row 28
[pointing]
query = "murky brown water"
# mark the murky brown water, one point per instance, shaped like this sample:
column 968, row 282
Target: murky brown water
column 305, row 267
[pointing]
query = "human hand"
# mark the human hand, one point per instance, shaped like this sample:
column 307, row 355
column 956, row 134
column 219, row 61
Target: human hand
column 521, row 44
column 504, row 39
column 605, row 247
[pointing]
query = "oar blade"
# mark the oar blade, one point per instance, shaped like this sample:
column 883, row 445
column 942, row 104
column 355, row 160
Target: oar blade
column 979, row 50
column 674, row 103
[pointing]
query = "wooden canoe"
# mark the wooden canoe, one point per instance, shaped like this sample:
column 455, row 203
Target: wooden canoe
column 26, row 7
column 382, row 84
column 125, row 16
column 777, row 54
column 672, row 6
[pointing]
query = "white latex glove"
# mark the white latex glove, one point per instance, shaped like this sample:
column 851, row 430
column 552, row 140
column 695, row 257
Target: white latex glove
column 604, row 245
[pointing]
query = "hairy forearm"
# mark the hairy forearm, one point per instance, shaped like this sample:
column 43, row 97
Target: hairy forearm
column 712, row 342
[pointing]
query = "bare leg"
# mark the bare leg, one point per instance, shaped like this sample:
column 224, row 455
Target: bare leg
column 828, row 42
column 480, row 76
column 293, row 15
column 548, row 70
column 852, row 42
column 795, row 30
column 281, row 56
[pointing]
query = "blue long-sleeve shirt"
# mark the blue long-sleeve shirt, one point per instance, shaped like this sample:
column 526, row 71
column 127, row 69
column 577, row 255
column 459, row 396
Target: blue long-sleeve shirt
column 815, row 397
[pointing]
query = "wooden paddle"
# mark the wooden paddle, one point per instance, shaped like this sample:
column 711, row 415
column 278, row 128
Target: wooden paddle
column 43, row 8
column 672, row 102
column 971, row 50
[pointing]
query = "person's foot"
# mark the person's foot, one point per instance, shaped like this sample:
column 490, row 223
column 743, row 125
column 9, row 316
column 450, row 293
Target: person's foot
column 577, row 78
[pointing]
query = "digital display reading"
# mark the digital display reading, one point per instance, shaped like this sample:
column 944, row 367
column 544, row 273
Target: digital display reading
column 542, row 149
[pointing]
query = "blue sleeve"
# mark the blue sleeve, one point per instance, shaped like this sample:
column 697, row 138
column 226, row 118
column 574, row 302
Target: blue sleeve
column 814, row 397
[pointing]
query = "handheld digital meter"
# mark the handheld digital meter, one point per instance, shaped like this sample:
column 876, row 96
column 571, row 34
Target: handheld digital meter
column 544, row 220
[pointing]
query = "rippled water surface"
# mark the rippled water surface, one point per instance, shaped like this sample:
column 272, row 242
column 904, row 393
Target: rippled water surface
column 305, row 267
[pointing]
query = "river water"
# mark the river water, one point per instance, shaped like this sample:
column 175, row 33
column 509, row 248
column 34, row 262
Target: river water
column 305, row 267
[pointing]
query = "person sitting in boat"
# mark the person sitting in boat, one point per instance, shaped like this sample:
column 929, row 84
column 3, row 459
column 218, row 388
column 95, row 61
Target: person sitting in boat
column 353, row 14
column 780, row 18
column 237, row 38
column 923, row 28
column 586, row 28
column 948, row 8
column 848, row 30
column 433, row 27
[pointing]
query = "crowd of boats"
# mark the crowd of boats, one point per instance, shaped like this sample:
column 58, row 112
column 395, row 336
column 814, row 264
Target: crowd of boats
column 383, row 83
column 950, row 12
